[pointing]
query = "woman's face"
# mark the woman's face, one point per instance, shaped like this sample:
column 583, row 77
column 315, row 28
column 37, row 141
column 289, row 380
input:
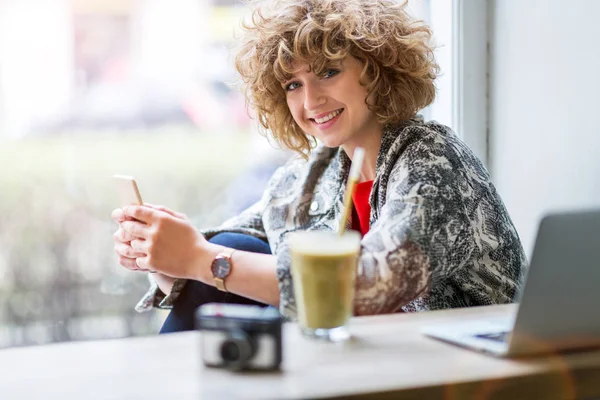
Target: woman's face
column 331, row 106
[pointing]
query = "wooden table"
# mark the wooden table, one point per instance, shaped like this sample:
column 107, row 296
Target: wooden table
column 387, row 359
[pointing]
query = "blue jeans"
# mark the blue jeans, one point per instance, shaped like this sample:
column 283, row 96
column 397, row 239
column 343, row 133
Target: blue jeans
column 195, row 293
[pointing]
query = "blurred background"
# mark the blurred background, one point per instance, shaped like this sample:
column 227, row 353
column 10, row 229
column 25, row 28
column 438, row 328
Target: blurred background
column 89, row 89
column 92, row 88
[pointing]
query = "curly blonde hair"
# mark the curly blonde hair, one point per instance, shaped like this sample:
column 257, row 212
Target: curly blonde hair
column 399, row 65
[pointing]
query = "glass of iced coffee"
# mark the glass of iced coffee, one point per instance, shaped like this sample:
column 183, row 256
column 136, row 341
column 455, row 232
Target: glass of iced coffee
column 324, row 271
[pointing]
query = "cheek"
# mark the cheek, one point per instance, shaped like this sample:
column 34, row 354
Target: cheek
column 295, row 109
column 354, row 96
column 360, row 103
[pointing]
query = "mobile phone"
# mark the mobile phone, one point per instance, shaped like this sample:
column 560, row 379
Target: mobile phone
column 127, row 190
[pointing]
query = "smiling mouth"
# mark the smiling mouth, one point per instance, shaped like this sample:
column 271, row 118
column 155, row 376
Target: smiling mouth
column 328, row 117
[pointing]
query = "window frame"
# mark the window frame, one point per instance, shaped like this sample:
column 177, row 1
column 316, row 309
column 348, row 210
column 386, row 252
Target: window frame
column 462, row 99
column 470, row 81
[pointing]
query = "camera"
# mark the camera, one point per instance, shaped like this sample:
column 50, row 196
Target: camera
column 240, row 337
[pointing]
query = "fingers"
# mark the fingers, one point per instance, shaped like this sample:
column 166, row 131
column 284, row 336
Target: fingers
column 139, row 246
column 167, row 210
column 142, row 263
column 129, row 263
column 133, row 264
column 117, row 215
column 128, row 249
column 136, row 229
column 125, row 250
column 122, row 236
column 140, row 213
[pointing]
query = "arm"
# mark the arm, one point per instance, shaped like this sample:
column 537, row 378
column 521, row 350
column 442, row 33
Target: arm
column 165, row 289
column 421, row 235
column 252, row 275
column 248, row 222
column 174, row 248
column 405, row 253
column 164, row 282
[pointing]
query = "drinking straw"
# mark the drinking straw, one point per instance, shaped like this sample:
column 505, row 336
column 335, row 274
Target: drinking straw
column 353, row 177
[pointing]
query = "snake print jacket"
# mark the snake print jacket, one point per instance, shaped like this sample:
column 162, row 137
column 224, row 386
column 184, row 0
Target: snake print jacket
column 440, row 236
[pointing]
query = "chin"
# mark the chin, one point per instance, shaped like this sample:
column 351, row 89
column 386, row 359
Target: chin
column 330, row 142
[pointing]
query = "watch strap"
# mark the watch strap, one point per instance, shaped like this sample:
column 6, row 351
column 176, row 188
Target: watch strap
column 227, row 252
column 220, row 284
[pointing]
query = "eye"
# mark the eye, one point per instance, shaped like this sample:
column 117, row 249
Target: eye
column 291, row 86
column 330, row 72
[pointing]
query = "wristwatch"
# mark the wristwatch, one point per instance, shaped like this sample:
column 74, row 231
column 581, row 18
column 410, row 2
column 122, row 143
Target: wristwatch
column 221, row 268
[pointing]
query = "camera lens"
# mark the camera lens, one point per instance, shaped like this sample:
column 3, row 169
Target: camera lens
column 236, row 350
column 230, row 351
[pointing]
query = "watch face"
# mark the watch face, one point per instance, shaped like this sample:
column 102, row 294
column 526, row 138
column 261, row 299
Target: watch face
column 221, row 267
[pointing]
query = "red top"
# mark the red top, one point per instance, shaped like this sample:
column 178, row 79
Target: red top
column 362, row 209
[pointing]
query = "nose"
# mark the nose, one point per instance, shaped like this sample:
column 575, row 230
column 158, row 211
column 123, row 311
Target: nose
column 314, row 98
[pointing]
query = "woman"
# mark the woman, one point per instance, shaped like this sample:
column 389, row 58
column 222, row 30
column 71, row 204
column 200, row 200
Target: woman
column 349, row 73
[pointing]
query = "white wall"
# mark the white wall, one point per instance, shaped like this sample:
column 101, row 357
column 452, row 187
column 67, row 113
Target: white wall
column 544, row 107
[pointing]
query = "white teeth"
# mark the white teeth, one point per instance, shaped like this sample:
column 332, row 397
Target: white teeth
column 328, row 117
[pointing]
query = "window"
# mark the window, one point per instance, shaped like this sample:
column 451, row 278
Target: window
column 89, row 89
column 438, row 15
column 461, row 35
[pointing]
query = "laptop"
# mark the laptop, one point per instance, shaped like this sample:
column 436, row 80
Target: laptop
column 559, row 301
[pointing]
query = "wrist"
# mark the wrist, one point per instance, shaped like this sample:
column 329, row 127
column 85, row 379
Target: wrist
column 208, row 253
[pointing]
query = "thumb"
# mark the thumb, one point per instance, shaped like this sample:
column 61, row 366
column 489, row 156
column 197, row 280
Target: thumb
column 166, row 210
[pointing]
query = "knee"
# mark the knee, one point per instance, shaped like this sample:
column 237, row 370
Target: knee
column 240, row 241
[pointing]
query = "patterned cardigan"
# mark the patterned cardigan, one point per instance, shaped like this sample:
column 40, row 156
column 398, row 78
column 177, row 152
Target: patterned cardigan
column 440, row 235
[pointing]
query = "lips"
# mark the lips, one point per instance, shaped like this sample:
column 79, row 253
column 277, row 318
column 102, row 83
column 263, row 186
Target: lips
column 326, row 117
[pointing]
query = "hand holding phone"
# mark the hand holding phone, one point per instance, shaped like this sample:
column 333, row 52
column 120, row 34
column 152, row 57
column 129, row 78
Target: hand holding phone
column 172, row 255
column 129, row 194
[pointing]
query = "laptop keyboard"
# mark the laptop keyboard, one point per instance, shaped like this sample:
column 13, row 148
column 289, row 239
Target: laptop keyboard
column 496, row 336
